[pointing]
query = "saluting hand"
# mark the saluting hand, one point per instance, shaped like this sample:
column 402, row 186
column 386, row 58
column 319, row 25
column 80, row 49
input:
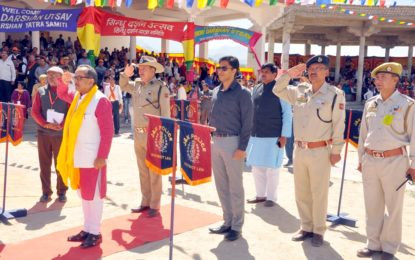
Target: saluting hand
column 334, row 158
column 297, row 71
column 67, row 77
column 99, row 163
column 129, row 70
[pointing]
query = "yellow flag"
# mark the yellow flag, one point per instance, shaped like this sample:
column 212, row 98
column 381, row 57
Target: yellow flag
column 152, row 4
column 338, row 1
column 258, row 2
column 370, row 2
column 201, row 4
column 97, row 2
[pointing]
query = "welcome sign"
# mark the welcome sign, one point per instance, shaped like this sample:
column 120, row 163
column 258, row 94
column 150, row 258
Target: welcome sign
column 23, row 20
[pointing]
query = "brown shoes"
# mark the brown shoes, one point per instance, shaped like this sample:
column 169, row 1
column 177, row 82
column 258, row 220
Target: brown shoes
column 256, row 200
column 366, row 252
column 317, row 240
column 302, row 235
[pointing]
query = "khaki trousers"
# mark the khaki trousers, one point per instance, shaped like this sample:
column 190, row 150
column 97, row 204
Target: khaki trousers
column 380, row 178
column 311, row 179
column 150, row 182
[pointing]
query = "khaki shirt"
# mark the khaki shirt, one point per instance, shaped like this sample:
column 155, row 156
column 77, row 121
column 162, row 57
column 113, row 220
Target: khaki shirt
column 384, row 127
column 142, row 94
column 308, row 126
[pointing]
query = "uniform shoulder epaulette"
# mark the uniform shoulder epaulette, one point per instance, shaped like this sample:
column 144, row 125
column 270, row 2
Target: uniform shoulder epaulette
column 164, row 84
column 408, row 98
column 336, row 90
column 372, row 98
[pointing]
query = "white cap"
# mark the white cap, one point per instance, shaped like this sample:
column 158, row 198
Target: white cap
column 55, row 69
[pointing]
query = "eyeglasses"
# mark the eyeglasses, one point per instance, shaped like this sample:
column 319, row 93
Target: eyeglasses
column 223, row 68
column 78, row 78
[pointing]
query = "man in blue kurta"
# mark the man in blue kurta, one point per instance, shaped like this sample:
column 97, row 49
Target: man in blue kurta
column 271, row 127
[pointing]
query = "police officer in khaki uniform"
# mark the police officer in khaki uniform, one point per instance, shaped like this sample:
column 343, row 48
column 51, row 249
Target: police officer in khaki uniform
column 150, row 96
column 318, row 129
column 387, row 128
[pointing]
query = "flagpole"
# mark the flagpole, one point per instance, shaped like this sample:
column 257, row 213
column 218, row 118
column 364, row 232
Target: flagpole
column 341, row 218
column 173, row 191
column 6, row 161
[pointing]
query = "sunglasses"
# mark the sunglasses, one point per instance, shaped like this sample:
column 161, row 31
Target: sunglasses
column 223, row 68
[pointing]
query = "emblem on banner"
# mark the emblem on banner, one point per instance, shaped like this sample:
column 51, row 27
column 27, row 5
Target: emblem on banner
column 161, row 137
column 194, row 146
column 190, row 111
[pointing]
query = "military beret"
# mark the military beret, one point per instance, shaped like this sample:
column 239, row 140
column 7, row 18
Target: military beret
column 388, row 67
column 321, row 59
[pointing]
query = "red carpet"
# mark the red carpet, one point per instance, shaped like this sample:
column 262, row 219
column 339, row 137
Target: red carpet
column 119, row 234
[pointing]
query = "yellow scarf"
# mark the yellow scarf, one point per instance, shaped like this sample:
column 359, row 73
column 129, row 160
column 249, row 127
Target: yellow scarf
column 73, row 123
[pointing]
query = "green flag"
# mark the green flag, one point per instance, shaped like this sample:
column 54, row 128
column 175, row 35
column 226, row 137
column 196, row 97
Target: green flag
column 273, row 2
column 211, row 2
column 160, row 3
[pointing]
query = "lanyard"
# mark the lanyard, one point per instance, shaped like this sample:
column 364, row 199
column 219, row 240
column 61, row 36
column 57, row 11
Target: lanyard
column 50, row 99
column 19, row 96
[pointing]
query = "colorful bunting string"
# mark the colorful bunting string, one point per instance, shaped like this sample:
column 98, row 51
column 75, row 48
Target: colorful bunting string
column 370, row 17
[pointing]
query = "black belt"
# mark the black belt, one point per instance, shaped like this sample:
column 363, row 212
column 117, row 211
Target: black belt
column 223, row 135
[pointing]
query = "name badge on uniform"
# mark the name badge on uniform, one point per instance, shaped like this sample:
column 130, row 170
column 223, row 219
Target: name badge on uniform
column 388, row 119
column 320, row 103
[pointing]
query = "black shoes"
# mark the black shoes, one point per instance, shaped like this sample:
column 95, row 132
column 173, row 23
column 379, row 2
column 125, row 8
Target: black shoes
column 62, row 198
column 302, row 235
column 317, row 240
column 289, row 163
column 91, row 240
column 232, row 235
column 387, row 256
column 81, row 236
column 152, row 213
column 140, row 209
column 366, row 252
column 220, row 230
column 256, row 200
column 269, row 203
column 45, row 198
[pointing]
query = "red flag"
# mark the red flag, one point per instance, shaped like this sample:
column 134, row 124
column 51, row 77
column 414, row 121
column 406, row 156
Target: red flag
column 195, row 153
column 175, row 109
column 17, row 118
column 15, row 124
column 170, row 4
column 191, row 111
column 3, row 122
column 224, row 3
column 160, row 135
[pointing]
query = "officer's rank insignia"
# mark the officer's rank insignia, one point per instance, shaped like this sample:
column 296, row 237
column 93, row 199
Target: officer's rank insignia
column 388, row 119
column 166, row 95
column 341, row 106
